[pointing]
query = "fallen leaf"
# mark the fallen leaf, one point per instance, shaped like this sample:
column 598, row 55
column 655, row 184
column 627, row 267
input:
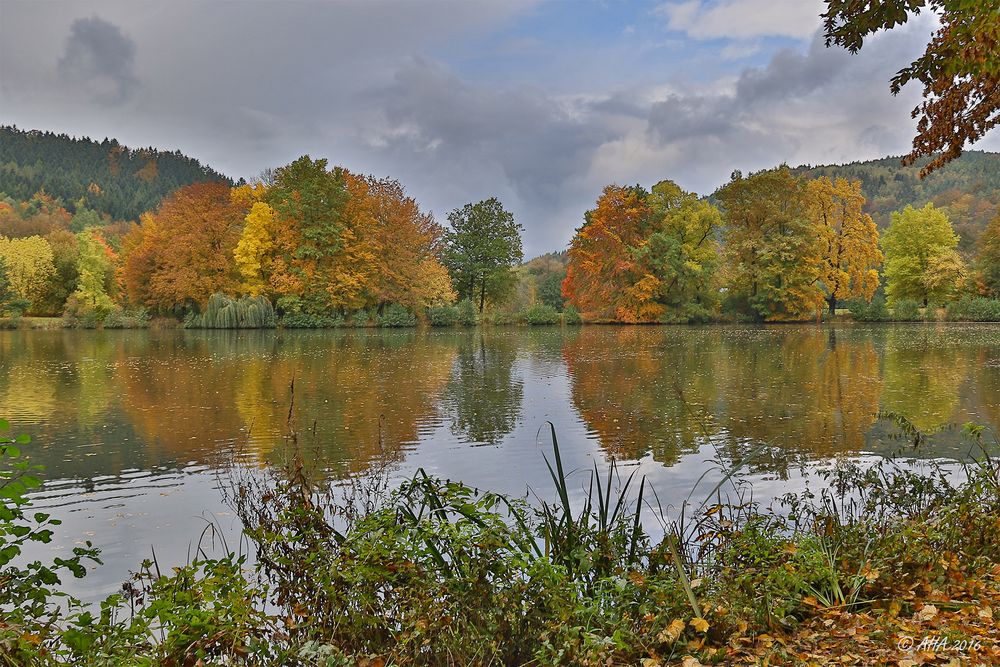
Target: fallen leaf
column 699, row 624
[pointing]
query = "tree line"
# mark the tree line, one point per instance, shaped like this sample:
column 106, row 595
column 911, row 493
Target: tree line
column 307, row 245
column 319, row 244
column 775, row 246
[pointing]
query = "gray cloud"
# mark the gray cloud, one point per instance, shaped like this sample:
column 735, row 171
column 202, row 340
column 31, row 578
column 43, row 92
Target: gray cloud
column 102, row 59
column 400, row 89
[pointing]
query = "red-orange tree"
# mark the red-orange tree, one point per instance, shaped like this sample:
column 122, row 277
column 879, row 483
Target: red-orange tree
column 183, row 252
column 601, row 273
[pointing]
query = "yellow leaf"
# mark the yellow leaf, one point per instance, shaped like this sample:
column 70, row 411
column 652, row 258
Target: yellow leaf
column 699, row 624
column 672, row 631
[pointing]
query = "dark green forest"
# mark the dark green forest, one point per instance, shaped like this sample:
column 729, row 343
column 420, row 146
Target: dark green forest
column 103, row 176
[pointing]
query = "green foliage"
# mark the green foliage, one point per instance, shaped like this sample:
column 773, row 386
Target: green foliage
column 91, row 299
column 468, row 316
column 126, row 319
column 541, row 313
column 224, row 312
column 482, row 246
column 395, row 315
column 443, row 316
column 862, row 311
column 571, row 315
column 906, row 310
column 920, row 258
column 973, row 309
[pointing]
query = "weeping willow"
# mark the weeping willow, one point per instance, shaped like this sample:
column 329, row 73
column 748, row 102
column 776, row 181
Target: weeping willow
column 223, row 312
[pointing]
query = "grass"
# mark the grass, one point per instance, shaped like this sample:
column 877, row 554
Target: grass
column 434, row 572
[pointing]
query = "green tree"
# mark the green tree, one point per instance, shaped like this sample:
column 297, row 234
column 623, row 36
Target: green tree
column 681, row 252
column 481, row 248
column 772, row 247
column 920, row 258
column 96, row 273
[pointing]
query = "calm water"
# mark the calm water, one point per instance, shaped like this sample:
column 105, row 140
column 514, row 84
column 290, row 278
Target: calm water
column 137, row 429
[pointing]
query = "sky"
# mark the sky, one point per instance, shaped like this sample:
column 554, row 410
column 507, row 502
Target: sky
column 539, row 103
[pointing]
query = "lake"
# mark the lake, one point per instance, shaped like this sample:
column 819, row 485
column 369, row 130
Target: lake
column 137, row 429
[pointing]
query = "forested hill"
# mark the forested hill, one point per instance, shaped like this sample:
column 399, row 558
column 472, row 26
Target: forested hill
column 969, row 188
column 103, row 176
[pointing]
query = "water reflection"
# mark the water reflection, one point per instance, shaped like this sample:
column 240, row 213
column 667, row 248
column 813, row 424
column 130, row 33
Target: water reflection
column 136, row 429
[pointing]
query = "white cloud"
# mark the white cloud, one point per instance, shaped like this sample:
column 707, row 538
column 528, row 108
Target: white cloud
column 743, row 19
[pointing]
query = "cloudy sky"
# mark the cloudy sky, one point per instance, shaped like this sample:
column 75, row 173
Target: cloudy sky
column 538, row 103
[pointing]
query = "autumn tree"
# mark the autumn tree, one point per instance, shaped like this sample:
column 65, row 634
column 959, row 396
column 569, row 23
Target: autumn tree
column 481, row 248
column 988, row 260
column 959, row 69
column 772, row 247
column 65, row 254
column 408, row 243
column 602, row 266
column 10, row 301
column 30, row 267
column 95, row 270
column 921, row 262
column 679, row 258
column 183, row 252
column 850, row 254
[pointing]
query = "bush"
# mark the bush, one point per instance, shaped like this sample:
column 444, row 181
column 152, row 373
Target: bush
column 127, row 319
column 307, row 321
column 224, row 312
column 541, row 313
column 468, row 316
column 863, row 311
column 396, row 316
column 443, row 316
column 571, row 315
column 362, row 318
column 502, row 317
column 906, row 310
column 973, row 309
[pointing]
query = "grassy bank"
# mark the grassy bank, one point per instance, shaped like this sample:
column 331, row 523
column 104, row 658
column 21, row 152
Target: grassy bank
column 437, row 573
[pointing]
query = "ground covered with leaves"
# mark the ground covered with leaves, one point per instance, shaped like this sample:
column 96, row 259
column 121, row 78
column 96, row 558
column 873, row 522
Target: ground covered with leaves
column 882, row 566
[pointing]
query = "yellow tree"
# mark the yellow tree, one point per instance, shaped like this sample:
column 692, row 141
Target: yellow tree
column 255, row 250
column 30, row 267
column 850, row 254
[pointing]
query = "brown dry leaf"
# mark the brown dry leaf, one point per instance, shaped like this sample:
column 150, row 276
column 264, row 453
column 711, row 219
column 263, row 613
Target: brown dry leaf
column 926, row 613
column 690, row 661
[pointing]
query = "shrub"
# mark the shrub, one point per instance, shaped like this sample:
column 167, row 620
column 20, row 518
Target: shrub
column 541, row 313
column 906, row 310
column 863, row 311
column 974, row 309
column 127, row 319
column 395, row 316
column 224, row 312
column 362, row 318
column 468, row 316
column 306, row 321
column 502, row 317
column 571, row 315
column 443, row 316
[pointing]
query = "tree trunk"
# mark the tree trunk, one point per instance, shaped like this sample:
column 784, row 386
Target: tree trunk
column 482, row 295
column 832, row 300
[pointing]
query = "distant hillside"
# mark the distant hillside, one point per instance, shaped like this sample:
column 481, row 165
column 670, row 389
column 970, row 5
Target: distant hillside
column 103, row 176
column 969, row 188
